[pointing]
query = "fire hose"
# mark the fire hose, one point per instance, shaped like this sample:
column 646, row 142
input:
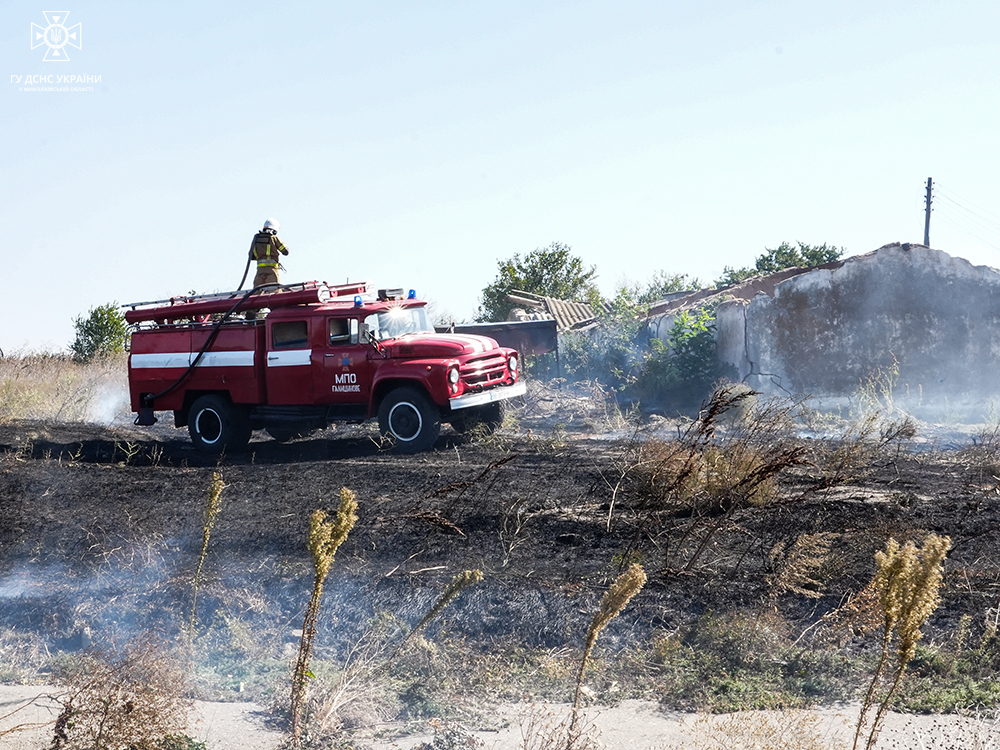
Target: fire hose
column 147, row 401
column 246, row 270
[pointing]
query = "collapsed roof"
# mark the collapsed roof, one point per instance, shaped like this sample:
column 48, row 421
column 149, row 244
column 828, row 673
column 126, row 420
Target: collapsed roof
column 569, row 316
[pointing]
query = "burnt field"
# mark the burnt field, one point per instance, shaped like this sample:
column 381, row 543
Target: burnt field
column 755, row 592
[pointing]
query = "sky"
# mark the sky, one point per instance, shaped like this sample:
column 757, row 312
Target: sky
column 416, row 144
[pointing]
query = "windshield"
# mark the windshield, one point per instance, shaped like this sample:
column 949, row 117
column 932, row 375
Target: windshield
column 397, row 322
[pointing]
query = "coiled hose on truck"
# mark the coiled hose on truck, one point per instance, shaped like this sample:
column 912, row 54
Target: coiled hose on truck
column 147, row 401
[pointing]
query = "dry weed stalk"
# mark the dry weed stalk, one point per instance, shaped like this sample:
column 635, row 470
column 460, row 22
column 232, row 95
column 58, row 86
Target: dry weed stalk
column 324, row 539
column 908, row 580
column 543, row 729
column 796, row 564
column 461, row 581
column 213, row 504
column 627, row 585
column 696, row 484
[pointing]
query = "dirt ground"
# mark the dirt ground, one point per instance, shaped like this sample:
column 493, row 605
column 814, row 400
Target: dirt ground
column 101, row 528
column 632, row 724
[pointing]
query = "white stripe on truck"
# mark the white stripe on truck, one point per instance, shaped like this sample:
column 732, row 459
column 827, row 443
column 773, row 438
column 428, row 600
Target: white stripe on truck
column 289, row 357
column 158, row 360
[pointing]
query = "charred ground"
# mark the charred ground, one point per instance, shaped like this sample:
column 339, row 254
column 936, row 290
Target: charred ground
column 100, row 529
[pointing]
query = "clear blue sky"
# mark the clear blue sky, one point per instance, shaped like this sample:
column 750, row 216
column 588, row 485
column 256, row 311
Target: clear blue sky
column 416, row 143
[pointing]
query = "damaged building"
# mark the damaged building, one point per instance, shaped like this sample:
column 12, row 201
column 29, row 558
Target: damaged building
column 931, row 319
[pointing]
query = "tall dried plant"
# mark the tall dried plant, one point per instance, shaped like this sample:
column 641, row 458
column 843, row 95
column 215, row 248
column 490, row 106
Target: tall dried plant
column 460, row 582
column 324, row 539
column 691, row 489
column 627, row 585
column 213, row 504
column 908, row 580
column 362, row 678
column 797, row 564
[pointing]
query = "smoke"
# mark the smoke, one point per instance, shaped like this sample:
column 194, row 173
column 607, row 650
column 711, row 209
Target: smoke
column 109, row 404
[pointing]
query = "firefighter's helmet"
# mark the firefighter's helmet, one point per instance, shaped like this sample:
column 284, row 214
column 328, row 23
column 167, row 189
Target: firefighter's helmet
column 272, row 224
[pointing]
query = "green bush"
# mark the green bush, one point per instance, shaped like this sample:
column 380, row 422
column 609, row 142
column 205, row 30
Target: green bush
column 779, row 258
column 675, row 375
column 101, row 333
column 553, row 271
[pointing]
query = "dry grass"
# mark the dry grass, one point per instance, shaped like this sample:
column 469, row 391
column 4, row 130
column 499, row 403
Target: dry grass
column 45, row 386
column 861, row 442
column 133, row 696
column 791, row 729
column 689, row 489
column 797, row 565
column 543, row 729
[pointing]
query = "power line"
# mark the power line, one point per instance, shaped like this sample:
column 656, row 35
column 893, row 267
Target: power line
column 986, row 220
column 960, row 216
column 968, row 231
column 959, row 197
column 973, row 217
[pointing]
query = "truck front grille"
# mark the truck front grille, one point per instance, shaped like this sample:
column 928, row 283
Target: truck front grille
column 483, row 371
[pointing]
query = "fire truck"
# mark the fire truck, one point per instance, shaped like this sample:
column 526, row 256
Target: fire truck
column 296, row 358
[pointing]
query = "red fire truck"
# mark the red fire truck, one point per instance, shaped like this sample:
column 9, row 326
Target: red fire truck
column 293, row 359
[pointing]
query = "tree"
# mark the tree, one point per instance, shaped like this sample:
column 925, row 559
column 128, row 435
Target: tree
column 779, row 258
column 550, row 272
column 101, row 333
column 662, row 284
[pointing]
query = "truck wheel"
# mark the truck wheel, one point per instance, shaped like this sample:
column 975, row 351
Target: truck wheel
column 217, row 425
column 409, row 420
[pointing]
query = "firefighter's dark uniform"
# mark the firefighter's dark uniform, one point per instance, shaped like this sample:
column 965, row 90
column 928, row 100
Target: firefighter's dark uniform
column 265, row 249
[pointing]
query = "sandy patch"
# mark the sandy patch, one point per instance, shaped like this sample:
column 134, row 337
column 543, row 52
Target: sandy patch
column 633, row 724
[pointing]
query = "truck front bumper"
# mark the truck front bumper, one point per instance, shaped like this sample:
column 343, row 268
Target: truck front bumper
column 487, row 397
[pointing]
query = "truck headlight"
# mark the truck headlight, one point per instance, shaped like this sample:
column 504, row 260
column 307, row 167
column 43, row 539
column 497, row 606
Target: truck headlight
column 512, row 365
column 453, row 376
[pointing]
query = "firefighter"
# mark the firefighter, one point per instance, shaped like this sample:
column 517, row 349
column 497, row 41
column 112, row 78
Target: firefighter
column 265, row 249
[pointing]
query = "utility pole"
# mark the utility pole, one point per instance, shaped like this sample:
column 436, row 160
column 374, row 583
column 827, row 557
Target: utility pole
column 927, row 215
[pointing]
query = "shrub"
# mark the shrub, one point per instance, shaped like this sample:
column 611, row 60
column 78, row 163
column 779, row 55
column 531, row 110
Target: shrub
column 688, row 490
column 133, row 696
column 673, row 375
column 101, row 333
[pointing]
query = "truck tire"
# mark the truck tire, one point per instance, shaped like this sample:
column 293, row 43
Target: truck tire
column 409, row 420
column 217, row 425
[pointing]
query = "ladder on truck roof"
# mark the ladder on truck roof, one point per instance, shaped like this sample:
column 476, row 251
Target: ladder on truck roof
column 271, row 296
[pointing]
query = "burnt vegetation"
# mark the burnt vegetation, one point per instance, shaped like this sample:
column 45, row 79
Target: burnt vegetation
column 757, row 545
